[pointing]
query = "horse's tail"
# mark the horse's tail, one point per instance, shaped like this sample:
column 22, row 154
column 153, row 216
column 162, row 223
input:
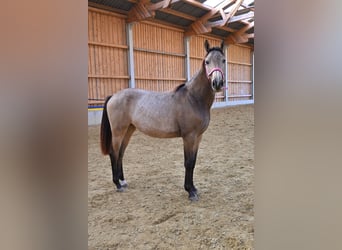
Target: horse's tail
column 106, row 133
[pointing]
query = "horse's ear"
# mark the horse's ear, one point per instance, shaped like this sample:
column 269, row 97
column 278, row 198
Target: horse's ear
column 222, row 45
column 206, row 46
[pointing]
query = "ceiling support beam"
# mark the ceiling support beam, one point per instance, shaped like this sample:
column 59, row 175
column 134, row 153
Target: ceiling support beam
column 241, row 17
column 145, row 9
column 139, row 12
column 202, row 25
column 240, row 36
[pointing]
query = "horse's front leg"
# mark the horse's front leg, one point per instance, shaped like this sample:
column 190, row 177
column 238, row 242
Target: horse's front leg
column 191, row 144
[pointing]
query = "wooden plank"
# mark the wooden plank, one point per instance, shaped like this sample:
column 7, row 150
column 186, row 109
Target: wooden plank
column 159, row 52
column 239, row 63
column 106, row 50
column 241, row 17
column 197, row 4
column 104, row 44
column 160, row 79
column 108, row 76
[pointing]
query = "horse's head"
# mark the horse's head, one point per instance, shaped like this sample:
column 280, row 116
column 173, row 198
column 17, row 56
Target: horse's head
column 214, row 63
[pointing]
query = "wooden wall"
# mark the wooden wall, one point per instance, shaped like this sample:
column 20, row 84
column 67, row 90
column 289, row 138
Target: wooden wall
column 107, row 57
column 239, row 73
column 159, row 58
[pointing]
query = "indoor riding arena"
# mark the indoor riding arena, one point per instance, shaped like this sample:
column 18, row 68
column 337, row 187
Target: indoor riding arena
column 157, row 45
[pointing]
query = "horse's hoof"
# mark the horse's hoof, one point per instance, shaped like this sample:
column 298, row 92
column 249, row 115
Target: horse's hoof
column 193, row 196
column 120, row 190
column 123, row 183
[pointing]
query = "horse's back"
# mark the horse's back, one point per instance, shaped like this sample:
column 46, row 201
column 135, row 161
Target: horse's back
column 153, row 113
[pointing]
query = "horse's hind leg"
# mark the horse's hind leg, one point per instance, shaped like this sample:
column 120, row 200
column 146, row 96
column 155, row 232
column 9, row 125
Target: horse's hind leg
column 114, row 154
column 123, row 146
column 115, row 169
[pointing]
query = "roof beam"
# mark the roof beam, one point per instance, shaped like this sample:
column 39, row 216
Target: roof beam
column 233, row 11
column 201, row 26
column 240, row 36
column 225, row 17
column 145, row 9
column 197, row 4
column 139, row 12
column 241, row 17
column 226, row 28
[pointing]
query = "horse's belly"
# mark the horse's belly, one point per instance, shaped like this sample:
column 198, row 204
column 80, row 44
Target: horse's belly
column 159, row 133
column 155, row 125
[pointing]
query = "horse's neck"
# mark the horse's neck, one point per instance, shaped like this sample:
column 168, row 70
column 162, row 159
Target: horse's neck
column 199, row 88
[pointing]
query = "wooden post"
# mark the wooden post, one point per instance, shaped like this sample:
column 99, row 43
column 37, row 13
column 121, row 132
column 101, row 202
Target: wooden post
column 129, row 28
column 252, row 74
column 225, row 49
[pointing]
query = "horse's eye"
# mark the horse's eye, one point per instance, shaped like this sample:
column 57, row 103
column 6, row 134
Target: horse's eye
column 206, row 62
column 224, row 60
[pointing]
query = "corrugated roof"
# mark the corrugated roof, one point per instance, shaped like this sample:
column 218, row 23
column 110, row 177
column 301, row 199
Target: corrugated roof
column 117, row 4
column 172, row 19
column 188, row 9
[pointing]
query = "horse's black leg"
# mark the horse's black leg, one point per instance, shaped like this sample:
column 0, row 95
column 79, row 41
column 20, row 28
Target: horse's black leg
column 123, row 147
column 190, row 161
column 115, row 170
column 190, row 155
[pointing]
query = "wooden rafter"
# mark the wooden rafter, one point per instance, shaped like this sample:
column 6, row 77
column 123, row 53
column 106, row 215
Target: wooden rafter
column 241, row 36
column 225, row 17
column 197, row 4
column 139, row 12
column 242, row 17
column 200, row 26
column 145, row 9
column 232, row 12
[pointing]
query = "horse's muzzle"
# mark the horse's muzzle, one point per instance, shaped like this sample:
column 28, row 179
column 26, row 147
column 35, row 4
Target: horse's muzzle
column 217, row 84
column 216, row 78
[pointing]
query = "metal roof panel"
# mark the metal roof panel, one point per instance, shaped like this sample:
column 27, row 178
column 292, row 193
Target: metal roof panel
column 117, row 4
column 172, row 19
column 188, row 9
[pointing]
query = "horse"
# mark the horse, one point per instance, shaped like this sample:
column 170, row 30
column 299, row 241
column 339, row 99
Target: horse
column 183, row 112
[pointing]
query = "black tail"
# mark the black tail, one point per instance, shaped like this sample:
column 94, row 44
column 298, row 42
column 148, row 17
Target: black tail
column 106, row 133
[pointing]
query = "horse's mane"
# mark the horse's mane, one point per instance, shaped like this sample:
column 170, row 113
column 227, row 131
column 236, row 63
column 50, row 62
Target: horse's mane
column 179, row 87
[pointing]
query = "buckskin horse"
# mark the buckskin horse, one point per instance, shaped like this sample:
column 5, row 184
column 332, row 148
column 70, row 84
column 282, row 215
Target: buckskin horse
column 183, row 112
